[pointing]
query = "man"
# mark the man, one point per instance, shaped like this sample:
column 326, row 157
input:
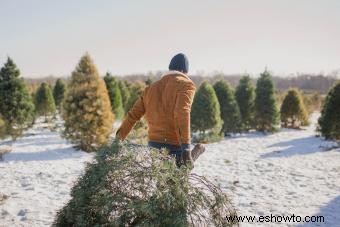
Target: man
column 166, row 105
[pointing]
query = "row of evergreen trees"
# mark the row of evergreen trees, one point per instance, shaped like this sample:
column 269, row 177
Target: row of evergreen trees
column 48, row 100
column 219, row 106
column 89, row 105
column 18, row 108
column 86, row 98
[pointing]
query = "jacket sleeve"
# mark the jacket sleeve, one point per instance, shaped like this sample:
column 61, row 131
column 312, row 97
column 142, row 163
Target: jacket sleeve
column 134, row 115
column 184, row 99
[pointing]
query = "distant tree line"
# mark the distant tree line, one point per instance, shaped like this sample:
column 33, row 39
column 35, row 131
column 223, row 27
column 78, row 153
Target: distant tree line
column 306, row 82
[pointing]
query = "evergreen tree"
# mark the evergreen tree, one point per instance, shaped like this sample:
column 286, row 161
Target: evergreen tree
column 245, row 97
column 86, row 107
column 205, row 111
column 148, row 81
column 3, row 128
column 230, row 112
column 293, row 110
column 59, row 92
column 329, row 122
column 114, row 95
column 44, row 102
column 135, row 92
column 16, row 106
column 124, row 91
column 32, row 94
column 140, row 129
column 266, row 110
column 134, row 186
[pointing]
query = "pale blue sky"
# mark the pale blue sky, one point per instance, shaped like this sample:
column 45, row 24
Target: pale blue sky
column 48, row 37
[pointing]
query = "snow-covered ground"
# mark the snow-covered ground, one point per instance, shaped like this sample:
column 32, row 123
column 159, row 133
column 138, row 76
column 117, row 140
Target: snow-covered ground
column 290, row 172
column 37, row 177
column 286, row 173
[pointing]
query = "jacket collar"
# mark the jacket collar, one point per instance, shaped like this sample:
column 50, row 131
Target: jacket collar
column 172, row 72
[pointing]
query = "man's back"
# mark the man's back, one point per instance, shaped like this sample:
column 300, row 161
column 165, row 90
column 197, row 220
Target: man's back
column 160, row 106
column 166, row 105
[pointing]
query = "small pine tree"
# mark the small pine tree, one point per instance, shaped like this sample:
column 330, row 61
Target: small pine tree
column 230, row 112
column 148, row 81
column 245, row 97
column 86, row 108
column 58, row 93
column 44, row 102
column 266, row 110
column 16, row 106
column 329, row 121
column 205, row 111
column 114, row 95
column 124, row 91
column 293, row 110
column 136, row 91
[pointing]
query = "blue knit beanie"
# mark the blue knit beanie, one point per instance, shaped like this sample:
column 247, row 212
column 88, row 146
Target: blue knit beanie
column 179, row 63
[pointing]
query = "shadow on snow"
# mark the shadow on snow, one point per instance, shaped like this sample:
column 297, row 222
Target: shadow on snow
column 330, row 212
column 46, row 155
column 300, row 146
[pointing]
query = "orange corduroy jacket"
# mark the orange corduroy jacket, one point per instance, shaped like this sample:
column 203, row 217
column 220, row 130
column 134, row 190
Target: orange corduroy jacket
column 166, row 105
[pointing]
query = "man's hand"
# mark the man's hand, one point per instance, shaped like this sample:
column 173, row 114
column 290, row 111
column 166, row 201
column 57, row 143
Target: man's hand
column 118, row 137
column 197, row 151
column 187, row 158
column 190, row 156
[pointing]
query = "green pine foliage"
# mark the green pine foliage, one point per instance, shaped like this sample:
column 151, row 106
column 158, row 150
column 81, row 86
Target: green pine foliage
column 44, row 101
column 124, row 91
column 3, row 128
column 205, row 111
column 148, row 81
column 230, row 113
column 59, row 93
column 245, row 97
column 293, row 110
column 114, row 95
column 86, row 108
column 313, row 101
column 16, row 105
column 140, row 130
column 136, row 90
column 139, row 133
column 329, row 121
column 130, row 185
column 267, row 116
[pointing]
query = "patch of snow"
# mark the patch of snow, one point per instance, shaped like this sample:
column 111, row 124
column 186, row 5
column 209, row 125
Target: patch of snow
column 37, row 177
